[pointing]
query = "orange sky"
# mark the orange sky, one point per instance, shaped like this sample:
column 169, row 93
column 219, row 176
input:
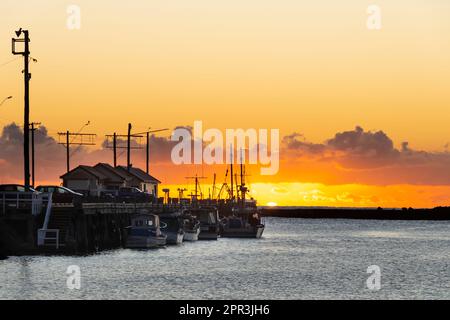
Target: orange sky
column 308, row 67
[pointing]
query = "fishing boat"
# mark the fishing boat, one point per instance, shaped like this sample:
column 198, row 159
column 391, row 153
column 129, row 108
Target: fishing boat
column 204, row 212
column 145, row 232
column 209, row 222
column 172, row 226
column 240, row 216
column 191, row 227
column 245, row 222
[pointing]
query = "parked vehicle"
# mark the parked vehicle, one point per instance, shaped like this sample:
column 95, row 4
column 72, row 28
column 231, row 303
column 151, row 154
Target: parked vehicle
column 133, row 194
column 61, row 194
column 15, row 196
column 14, row 188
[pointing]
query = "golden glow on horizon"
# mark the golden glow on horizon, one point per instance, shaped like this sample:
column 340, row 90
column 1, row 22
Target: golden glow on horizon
column 349, row 195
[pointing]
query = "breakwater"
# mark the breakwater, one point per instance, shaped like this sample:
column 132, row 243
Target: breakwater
column 438, row 213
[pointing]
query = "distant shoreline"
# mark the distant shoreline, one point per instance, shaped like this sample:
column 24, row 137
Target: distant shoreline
column 438, row 213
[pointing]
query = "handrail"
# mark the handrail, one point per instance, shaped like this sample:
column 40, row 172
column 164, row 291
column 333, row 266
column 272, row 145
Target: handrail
column 23, row 200
column 42, row 236
column 48, row 211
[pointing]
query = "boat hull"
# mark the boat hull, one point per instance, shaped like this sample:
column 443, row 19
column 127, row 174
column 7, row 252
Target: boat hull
column 208, row 232
column 191, row 235
column 255, row 232
column 174, row 237
column 208, row 236
column 136, row 242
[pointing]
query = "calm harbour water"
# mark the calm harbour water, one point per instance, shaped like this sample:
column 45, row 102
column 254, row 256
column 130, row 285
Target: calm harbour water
column 296, row 259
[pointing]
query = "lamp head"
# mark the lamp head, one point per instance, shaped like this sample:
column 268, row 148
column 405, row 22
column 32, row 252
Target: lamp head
column 19, row 32
column 10, row 97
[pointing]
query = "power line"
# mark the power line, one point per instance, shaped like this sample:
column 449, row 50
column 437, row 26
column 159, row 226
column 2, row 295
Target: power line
column 8, row 62
column 67, row 135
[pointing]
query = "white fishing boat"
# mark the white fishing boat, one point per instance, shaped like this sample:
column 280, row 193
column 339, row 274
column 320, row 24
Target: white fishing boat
column 172, row 225
column 191, row 228
column 145, row 232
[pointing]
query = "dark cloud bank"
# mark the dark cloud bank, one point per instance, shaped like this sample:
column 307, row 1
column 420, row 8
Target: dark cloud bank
column 373, row 157
column 357, row 156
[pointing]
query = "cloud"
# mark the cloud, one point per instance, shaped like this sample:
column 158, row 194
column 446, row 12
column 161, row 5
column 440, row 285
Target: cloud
column 359, row 156
column 297, row 141
column 51, row 156
column 350, row 157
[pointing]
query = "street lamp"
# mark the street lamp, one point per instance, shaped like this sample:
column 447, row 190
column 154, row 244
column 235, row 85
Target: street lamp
column 4, row 100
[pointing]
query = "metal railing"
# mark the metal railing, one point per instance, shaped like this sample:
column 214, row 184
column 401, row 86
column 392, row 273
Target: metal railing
column 32, row 202
column 48, row 237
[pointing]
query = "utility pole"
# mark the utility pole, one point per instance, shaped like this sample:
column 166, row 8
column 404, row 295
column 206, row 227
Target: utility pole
column 115, row 149
column 129, row 148
column 68, row 142
column 116, row 146
column 33, row 174
column 68, row 150
column 147, row 155
column 26, row 124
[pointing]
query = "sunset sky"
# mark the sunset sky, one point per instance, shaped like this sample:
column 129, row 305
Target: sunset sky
column 345, row 98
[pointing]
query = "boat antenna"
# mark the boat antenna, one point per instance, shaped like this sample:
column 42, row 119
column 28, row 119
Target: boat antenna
column 231, row 173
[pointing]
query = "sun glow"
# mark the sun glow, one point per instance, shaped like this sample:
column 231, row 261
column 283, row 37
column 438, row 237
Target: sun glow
column 345, row 195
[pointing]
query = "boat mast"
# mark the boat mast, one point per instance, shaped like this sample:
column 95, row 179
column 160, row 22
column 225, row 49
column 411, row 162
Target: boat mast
column 242, row 181
column 237, row 187
column 196, row 189
column 213, row 188
column 231, row 171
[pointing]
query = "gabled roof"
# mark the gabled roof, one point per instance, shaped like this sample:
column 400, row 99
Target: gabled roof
column 138, row 174
column 109, row 171
column 90, row 170
column 105, row 172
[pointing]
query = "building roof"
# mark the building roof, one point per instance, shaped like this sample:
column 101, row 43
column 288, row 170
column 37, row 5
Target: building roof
column 90, row 170
column 138, row 174
column 105, row 172
column 109, row 171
